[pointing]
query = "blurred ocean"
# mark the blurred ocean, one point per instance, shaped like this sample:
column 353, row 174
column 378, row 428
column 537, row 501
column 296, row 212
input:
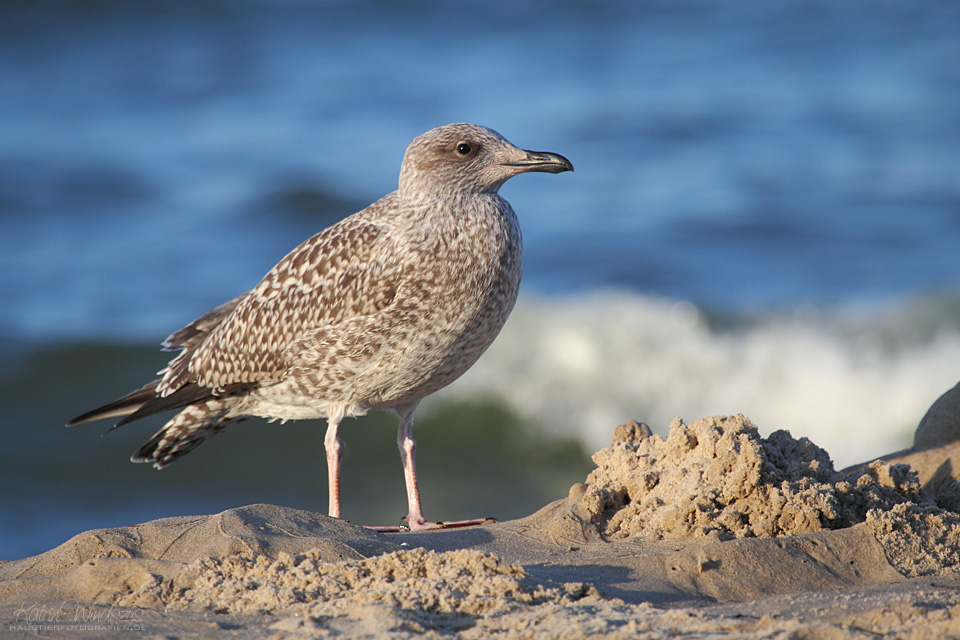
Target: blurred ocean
column 764, row 218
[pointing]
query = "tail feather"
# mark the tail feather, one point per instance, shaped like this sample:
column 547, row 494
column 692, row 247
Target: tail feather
column 187, row 430
column 125, row 406
column 202, row 416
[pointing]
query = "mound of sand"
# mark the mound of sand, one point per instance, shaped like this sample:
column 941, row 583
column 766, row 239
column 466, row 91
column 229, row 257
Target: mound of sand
column 719, row 477
column 918, row 539
column 460, row 582
column 103, row 565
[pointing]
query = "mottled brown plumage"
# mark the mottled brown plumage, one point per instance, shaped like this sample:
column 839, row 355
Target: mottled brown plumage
column 376, row 312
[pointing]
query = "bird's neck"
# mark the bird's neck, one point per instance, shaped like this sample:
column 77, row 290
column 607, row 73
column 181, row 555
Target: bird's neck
column 448, row 200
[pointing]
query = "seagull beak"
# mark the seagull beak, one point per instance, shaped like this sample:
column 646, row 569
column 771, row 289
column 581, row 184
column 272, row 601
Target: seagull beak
column 540, row 161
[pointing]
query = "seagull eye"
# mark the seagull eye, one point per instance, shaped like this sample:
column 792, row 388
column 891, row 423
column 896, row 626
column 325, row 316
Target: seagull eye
column 464, row 149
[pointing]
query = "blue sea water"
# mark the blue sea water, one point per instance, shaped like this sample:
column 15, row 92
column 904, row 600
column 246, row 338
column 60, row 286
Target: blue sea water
column 764, row 217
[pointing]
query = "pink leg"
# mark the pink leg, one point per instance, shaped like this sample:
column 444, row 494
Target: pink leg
column 408, row 448
column 408, row 455
column 333, row 446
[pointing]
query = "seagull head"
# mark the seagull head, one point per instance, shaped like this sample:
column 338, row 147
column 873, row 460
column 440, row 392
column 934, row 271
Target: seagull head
column 468, row 158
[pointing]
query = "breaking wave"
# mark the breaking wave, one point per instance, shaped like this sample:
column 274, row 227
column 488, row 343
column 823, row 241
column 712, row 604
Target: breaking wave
column 854, row 380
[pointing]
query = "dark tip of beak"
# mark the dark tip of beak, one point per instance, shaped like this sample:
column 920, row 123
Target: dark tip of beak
column 542, row 161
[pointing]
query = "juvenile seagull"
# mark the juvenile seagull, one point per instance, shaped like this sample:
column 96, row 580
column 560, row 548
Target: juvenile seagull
column 376, row 312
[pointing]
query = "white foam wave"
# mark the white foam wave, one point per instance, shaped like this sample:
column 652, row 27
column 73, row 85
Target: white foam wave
column 856, row 382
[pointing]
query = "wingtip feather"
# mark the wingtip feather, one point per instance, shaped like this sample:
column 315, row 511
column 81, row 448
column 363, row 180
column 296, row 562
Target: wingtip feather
column 125, row 406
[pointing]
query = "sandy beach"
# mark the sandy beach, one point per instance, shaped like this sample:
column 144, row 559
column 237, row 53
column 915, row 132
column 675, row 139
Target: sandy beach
column 712, row 531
